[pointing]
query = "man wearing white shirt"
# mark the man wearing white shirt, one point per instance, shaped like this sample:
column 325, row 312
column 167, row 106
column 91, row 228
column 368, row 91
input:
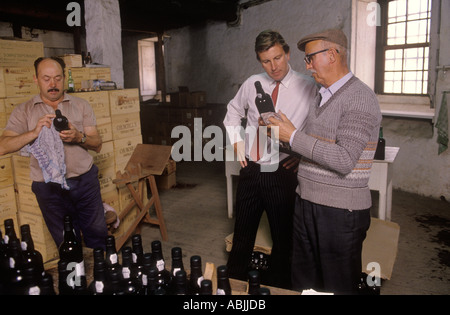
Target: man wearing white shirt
column 269, row 183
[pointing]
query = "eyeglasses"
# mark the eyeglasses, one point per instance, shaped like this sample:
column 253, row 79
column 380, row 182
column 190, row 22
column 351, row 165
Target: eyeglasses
column 308, row 56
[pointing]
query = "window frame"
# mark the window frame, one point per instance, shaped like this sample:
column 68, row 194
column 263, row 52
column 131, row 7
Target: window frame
column 382, row 47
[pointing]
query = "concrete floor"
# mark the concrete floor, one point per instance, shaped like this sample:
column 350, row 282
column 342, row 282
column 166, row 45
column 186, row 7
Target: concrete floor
column 195, row 213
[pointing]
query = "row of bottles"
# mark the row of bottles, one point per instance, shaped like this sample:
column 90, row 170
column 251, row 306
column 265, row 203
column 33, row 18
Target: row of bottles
column 21, row 265
column 136, row 273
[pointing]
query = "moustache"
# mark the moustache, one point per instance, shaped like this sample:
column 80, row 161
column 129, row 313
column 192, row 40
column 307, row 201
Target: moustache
column 53, row 90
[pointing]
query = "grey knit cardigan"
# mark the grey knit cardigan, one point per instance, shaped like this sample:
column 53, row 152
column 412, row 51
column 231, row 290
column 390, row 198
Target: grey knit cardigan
column 337, row 147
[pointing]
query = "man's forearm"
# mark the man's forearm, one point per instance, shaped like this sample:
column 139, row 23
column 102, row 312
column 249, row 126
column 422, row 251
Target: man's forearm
column 10, row 144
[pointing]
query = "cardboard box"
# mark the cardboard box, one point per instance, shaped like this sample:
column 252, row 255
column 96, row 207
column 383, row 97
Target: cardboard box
column 19, row 53
column 26, row 200
column 6, row 172
column 2, row 85
column 180, row 99
column 19, row 81
column 124, row 101
column 100, row 73
column 105, row 178
column 105, row 129
column 21, row 169
column 3, row 119
column 105, row 158
column 78, row 75
column 8, row 207
column 123, row 150
column 13, row 102
column 72, row 60
column 99, row 101
column 126, row 125
column 198, row 99
column 165, row 182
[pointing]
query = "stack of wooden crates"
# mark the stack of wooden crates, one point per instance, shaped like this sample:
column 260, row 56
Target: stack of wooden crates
column 118, row 121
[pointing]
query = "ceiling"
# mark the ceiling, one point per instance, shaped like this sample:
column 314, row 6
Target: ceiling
column 136, row 15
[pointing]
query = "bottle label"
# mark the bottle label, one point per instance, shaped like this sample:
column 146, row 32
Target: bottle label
column 113, row 258
column 134, row 257
column 79, row 269
column 126, row 272
column 199, row 281
column 12, row 263
column 34, row 291
column 175, row 270
column 144, row 280
column 23, row 245
column 99, row 286
column 160, row 265
column 220, row 291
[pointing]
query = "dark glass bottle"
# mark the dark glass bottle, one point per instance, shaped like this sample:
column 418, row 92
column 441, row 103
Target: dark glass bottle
column 65, row 281
column 149, row 276
column 16, row 267
column 98, row 254
column 117, row 284
column 111, row 257
column 164, row 277
column 71, row 252
column 263, row 101
column 223, row 281
column 254, row 282
column 180, row 281
column 32, row 257
column 30, row 282
column 4, row 265
column 381, row 147
column 10, row 232
column 60, row 122
column 99, row 285
column 263, row 291
column 130, row 272
column 206, row 287
column 177, row 265
column 70, row 83
column 46, row 285
column 138, row 254
column 196, row 276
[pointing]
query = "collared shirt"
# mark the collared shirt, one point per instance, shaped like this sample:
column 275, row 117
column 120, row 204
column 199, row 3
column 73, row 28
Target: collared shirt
column 296, row 91
column 327, row 93
column 25, row 116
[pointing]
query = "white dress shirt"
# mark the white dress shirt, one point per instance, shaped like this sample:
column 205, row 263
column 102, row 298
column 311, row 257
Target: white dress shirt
column 296, row 91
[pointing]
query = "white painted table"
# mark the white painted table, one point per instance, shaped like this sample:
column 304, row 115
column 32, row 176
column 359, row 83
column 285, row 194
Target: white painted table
column 380, row 180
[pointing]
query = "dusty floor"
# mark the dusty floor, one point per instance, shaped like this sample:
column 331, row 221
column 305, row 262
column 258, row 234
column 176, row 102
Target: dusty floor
column 196, row 217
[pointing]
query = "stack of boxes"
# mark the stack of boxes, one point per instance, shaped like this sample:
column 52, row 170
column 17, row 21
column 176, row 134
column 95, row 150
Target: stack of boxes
column 118, row 122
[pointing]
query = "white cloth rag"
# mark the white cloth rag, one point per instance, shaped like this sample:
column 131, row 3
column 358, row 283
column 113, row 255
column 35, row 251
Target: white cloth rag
column 48, row 149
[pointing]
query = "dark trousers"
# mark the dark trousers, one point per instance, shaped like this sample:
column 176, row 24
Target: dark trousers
column 273, row 192
column 327, row 247
column 83, row 202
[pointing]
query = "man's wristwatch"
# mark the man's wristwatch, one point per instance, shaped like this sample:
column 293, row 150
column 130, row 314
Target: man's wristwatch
column 83, row 139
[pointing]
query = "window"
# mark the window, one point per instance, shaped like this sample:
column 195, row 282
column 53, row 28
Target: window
column 147, row 67
column 403, row 47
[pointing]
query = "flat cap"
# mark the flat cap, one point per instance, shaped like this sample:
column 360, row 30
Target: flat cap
column 331, row 35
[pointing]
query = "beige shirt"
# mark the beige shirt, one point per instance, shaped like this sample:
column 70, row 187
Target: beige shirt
column 79, row 113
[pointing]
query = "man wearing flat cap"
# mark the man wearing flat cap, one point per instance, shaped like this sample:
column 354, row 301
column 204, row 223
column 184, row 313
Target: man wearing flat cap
column 332, row 212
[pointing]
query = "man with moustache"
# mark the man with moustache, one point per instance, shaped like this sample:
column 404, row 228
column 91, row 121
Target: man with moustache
column 266, row 183
column 82, row 200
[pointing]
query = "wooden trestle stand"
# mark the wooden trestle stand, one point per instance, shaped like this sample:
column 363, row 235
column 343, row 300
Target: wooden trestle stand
column 146, row 161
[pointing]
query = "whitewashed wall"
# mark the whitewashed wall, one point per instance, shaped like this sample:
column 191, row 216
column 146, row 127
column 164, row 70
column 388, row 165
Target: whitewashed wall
column 217, row 58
